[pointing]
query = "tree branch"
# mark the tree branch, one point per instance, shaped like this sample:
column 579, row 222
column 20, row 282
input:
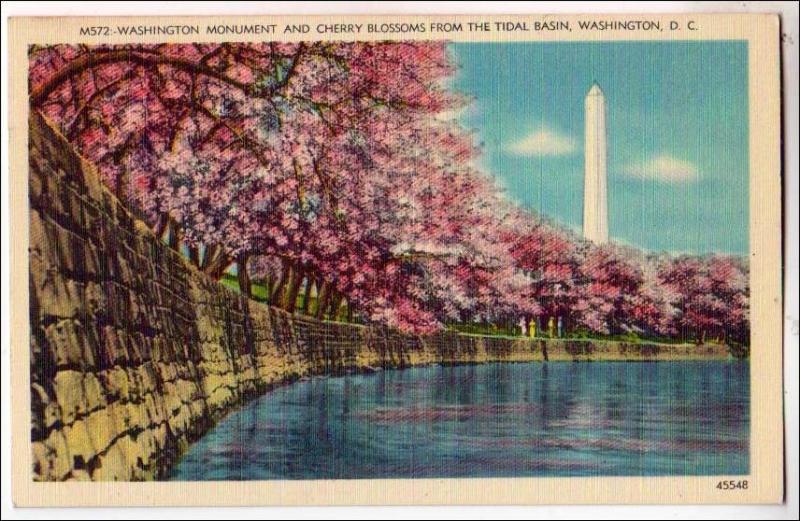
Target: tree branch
column 93, row 59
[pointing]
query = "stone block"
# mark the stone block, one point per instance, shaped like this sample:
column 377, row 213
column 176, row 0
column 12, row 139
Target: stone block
column 63, row 340
column 51, row 458
column 94, row 300
column 136, row 415
column 46, row 412
column 115, row 381
column 56, row 295
column 101, row 429
column 68, row 385
column 153, row 410
column 80, row 444
column 113, row 466
column 119, row 418
column 95, row 394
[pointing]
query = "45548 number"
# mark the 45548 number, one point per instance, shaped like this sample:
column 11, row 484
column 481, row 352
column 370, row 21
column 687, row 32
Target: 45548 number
column 733, row 484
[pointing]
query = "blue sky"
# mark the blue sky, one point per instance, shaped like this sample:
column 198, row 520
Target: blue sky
column 677, row 134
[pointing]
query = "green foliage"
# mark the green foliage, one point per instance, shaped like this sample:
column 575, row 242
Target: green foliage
column 258, row 291
column 230, row 282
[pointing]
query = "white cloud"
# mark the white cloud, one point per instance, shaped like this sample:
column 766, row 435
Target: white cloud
column 663, row 168
column 543, row 142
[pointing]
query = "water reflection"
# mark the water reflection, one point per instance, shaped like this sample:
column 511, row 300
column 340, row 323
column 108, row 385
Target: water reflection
column 555, row 419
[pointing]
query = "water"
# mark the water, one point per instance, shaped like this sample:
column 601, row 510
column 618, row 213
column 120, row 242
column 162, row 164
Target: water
column 554, row 419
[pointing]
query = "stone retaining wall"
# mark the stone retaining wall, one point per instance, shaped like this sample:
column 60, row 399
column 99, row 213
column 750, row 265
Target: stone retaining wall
column 135, row 354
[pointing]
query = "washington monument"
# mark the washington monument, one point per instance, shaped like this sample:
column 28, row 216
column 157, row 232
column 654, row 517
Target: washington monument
column 595, row 203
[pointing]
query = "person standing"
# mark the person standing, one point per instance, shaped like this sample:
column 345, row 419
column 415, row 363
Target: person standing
column 551, row 326
column 560, row 327
column 532, row 328
column 522, row 328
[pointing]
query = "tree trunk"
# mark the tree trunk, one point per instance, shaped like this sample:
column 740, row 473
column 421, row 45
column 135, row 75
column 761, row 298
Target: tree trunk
column 219, row 269
column 294, row 289
column 307, row 295
column 161, row 226
column 336, row 303
column 322, row 300
column 123, row 186
column 194, row 255
column 283, row 298
column 268, row 287
column 215, row 262
column 277, row 290
column 173, row 238
column 243, row 275
column 349, row 311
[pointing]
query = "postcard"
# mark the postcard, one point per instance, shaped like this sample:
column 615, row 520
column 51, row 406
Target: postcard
column 283, row 260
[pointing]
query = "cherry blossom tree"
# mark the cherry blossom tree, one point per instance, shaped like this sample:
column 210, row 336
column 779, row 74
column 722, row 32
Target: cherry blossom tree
column 551, row 256
column 168, row 123
column 327, row 172
column 712, row 296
